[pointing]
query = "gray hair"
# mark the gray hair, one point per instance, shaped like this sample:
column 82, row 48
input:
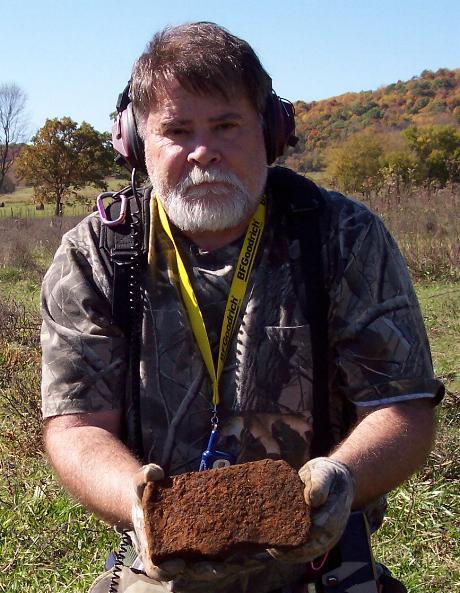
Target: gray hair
column 205, row 59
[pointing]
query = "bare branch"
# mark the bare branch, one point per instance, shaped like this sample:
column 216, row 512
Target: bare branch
column 13, row 125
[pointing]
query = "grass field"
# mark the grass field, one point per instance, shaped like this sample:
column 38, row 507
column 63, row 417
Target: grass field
column 48, row 543
column 20, row 204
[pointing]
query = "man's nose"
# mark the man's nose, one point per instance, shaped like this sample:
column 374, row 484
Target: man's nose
column 204, row 153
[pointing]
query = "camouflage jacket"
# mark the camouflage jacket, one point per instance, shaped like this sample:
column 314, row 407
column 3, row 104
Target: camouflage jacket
column 379, row 352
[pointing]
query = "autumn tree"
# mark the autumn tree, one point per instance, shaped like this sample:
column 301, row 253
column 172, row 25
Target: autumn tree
column 13, row 125
column 63, row 157
column 436, row 151
column 354, row 166
column 397, row 169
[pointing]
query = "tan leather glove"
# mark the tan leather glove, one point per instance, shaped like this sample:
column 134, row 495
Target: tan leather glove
column 329, row 491
column 168, row 570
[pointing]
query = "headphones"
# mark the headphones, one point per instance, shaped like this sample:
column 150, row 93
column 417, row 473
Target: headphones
column 278, row 125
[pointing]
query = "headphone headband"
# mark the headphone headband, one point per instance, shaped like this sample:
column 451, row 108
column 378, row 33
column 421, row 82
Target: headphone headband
column 278, row 123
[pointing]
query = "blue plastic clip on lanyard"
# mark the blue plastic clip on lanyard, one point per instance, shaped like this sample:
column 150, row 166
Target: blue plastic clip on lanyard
column 213, row 459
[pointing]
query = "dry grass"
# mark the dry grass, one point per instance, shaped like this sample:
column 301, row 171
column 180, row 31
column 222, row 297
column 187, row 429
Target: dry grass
column 28, row 244
column 426, row 226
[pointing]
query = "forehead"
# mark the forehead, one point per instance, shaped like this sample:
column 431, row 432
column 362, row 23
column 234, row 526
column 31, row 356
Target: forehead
column 174, row 101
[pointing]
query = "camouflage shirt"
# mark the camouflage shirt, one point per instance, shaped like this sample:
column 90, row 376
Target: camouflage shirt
column 379, row 352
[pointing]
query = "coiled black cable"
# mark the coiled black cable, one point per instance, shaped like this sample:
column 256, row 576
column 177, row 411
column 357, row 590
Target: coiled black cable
column 135, row 329
column 120, row 557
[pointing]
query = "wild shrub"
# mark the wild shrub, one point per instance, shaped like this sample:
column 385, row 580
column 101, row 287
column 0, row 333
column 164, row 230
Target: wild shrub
column 20, row 379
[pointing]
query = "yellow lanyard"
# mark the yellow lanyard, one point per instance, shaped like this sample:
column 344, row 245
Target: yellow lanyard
column 235, row 298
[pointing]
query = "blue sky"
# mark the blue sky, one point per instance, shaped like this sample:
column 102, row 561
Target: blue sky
column 72, row 57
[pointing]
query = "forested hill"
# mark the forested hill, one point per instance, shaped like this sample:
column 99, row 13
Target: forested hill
column 433, row 98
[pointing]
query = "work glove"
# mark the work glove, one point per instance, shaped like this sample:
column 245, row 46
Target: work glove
column 169, row 569
column 329, row 492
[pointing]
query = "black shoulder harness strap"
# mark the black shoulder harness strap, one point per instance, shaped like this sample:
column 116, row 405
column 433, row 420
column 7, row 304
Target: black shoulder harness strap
column 125, row 248
column 127, row 245
column 306, row 214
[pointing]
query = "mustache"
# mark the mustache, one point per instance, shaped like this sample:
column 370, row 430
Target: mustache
column 197, row 176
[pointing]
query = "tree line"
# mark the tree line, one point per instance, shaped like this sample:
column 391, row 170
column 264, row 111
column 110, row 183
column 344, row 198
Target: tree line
column 426, row 156
column 431, row 98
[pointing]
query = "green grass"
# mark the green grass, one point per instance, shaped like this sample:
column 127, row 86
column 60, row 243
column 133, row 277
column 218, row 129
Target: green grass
column 441, row 304
column 420, row 537
column 48, row 543
column 22, row 195
column 18, row 210
column 18, row 286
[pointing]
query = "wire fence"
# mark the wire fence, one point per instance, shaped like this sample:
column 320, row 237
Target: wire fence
column 21, row 211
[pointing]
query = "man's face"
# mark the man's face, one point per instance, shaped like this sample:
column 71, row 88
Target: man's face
column 206, row 158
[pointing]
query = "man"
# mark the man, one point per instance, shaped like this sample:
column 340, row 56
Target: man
column 199, row 97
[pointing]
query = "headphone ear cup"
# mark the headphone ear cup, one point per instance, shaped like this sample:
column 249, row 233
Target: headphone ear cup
column 135, row 142
column 126, row 140
column 269, row 123
column 279, row 126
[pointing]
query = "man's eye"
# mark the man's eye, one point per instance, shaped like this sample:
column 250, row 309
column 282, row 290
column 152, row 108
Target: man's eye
column 177, row 132
column 226, row 125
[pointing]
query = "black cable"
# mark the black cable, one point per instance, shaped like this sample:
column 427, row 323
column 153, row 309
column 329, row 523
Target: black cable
column 120, row 557
column 136, row 310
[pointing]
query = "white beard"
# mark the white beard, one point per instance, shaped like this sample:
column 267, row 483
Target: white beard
column 197, row 204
